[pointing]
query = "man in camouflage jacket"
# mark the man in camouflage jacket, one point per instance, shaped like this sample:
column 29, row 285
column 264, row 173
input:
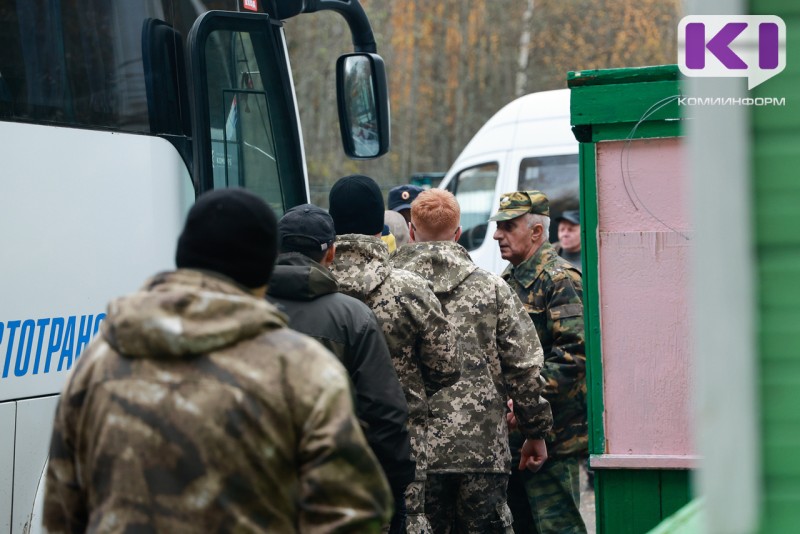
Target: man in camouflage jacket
column 198, row 410
column 468, row 452
column 304, row 289
column 421, row 341
column 551, row 290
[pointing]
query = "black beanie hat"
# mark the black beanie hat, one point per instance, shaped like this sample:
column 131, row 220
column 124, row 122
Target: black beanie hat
column 356, row 205
column 231, row 232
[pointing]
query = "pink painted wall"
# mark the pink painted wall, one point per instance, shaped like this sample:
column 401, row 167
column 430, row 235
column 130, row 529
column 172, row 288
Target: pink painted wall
column 644, row 245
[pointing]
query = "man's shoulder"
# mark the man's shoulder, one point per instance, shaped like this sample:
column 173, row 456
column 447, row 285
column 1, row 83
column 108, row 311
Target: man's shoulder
column 485, row 282
column 299, row 351
column 558, row 270
column 285, row 341
column 489, row 276
column 349, row 308
column 408, row 282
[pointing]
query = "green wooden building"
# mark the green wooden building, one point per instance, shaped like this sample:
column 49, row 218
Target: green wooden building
column 637, row 240
column 742, row 163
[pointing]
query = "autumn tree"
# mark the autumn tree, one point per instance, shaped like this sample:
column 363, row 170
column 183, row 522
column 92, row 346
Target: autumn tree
column 452, row 64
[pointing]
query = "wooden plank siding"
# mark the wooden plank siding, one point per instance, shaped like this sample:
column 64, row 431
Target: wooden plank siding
column 776, row 197
column 608, row 105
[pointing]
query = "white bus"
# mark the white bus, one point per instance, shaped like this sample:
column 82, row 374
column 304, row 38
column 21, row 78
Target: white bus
column 526, row 145
column 114, row 116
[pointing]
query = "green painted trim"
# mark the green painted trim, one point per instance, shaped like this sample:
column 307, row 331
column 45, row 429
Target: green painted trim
column 631, row 103
column 624, row 75
column 591, row 297
column 636, row 501
column 628, row 102
column 645, row 130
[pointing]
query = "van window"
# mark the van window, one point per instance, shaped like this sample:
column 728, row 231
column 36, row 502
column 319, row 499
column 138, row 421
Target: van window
column 556, row 177
column 474, row 190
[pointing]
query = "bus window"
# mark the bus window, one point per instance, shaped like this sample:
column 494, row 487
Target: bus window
column 248, row 113
column 242, row 148
column 474, row 190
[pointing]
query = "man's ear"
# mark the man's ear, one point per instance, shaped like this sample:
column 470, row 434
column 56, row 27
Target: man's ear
column 536, row 232
column 411, row 233
column 458, row 234
column 329, row 255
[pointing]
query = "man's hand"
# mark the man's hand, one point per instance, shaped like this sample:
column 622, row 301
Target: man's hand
column 532, row 455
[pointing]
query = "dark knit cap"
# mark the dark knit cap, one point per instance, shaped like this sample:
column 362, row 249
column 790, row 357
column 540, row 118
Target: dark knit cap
column 356, row 205
column 232, row 232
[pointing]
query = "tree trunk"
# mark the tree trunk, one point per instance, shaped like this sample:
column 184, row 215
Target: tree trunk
column 524, row 49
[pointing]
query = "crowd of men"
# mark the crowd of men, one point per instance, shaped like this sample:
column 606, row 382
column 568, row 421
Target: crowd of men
column 327, row 373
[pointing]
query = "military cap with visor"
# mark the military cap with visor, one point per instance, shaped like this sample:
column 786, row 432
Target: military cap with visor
column 518, row 203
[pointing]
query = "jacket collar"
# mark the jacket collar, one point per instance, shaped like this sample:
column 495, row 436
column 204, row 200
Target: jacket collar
column 529, row 270
column 298, row 277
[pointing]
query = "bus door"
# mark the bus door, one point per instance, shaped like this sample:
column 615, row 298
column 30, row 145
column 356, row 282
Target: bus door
column 245, row 129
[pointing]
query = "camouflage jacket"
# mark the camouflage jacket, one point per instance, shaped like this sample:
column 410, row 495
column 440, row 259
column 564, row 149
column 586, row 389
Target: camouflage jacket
column 421, row 340
column 309, row 295
column 196, row 410
column 501, row 359
column 552, row 292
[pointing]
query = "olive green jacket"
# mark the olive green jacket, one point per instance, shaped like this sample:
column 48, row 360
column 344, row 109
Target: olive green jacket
column 197, row 410
column 551, row 290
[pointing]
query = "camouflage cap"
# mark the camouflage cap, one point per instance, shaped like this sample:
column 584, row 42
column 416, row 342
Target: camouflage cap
column 518, row 203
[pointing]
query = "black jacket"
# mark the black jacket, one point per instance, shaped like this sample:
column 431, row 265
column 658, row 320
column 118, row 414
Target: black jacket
column 308, row 293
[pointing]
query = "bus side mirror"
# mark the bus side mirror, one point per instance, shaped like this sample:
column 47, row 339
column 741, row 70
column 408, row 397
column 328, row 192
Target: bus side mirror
column 363, row 101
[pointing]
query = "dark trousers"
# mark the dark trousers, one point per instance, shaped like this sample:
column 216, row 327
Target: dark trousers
column 467, row 503
column 548, row 501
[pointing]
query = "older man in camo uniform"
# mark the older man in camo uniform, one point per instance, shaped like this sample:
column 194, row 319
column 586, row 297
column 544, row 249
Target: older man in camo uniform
column 198, row 410
column 551, row 290
column 468, row 451
column 421, row 341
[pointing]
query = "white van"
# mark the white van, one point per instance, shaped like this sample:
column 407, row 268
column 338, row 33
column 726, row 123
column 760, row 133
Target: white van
column 526, row 145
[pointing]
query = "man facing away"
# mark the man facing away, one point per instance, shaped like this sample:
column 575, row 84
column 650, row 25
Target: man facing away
column 397, row 226
column 401, row 197
column 550, row 288
column 421, row 341
column 304, row 289
column 198, row 410
column 468, row 453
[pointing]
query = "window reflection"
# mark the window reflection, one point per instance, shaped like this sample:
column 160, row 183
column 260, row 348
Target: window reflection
column 360, row 101
column 242, row 141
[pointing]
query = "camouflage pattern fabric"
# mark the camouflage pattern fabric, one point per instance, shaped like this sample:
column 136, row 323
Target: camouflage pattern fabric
column 416, row 520
column 465, row 503
column 421, row 340
column 518, row 203
column 551, row 290
column 502, row 358
column 197, row 410
column 548, row 502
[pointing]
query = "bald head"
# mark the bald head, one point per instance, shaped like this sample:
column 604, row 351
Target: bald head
column 435, row 216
